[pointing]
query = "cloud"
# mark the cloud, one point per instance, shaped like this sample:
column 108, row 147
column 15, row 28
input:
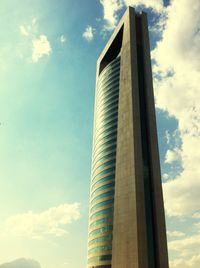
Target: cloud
column 89, row 33
column 112, row 7
column 172, row 155
column 62, row 39
column 28, row 29
column 50, row 222
column 193, row 262
column 176, row 83
column 40, row 43
column 167, row 136
column 165, row 176
column 175, row 234
column 24, row 30
column 186, row 250
column 21, row 263
column 156, row 5
column 196, row 215
column 41, row 47
column 187, row 246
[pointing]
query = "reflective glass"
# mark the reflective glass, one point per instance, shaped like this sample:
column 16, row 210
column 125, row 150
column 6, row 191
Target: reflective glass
column 107, row 91
column 108, row 119
column 108, row 107
column 101, row 230
column 100, row 221
column 107, row 194
column 104, row 115
column 114, row 127
column 107, row 178
column 103, row 152
column 103, row 86
column 114, row 89
column 104, row 203
column 112, row 140
column 111, row 155
column 106, row 186
column 101, row 239
column 106, row 101
column 109, row 101
column 102, row 212
column 100, row 249
column 108, row 170
column 100, row 258
column 106, row 164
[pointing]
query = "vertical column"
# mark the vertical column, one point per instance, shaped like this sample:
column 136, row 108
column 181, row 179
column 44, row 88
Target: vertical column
column 129, row 229
column 161, row 253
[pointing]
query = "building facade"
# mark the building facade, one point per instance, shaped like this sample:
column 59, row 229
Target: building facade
column 126, row 218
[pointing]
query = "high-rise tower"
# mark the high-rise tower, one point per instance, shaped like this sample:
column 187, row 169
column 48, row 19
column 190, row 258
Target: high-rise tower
column 127, row 221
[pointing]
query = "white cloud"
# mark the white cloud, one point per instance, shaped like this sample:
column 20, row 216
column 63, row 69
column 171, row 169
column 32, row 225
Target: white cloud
column 111, row 8
column 167, row 136
column 50, row 222
column 41, row 47
column 196, row 215
column 156, row 5
column 177, row 54
column 193, row 262
column 34, row 21
column 165, row 176
column 28, row 29
column 175, row 234
column 22, row 263
column 24, row 30
column 172, row 155
column 62, row 39
column 186, row 250
column 187, row 246
column 89, row 33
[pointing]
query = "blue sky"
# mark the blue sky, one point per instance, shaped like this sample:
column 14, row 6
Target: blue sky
column 48, row 53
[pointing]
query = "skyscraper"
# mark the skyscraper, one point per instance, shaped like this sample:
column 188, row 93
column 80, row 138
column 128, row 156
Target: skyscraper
column 126, row 221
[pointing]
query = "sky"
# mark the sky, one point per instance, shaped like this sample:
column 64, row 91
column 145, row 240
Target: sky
column 48, row 53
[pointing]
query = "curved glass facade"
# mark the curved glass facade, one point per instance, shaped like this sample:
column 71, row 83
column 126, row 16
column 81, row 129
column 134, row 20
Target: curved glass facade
column 103, row 167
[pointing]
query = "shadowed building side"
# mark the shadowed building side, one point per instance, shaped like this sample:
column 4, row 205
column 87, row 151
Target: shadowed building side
column 127, row 221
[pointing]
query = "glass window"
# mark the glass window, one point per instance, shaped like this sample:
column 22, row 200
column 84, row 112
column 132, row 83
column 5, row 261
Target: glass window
column 109, row 120
column 101, row 239
column 100, row 258
column 101, row 212
column 108, row 113
column 107, row 178
column 111, row 156
column 110, row 163
column 112, row 140
column 113, row 127
column 104, row 203
column 108, row 104
column 101, row 230
column 107, row 194
column 103, row 152
column 106, row 186
column 109, row 69
column 100, row 249
column 104, row 220
column 107, row 137
column 112, row 90
column 108, row 170
column 103, row 85
column 106, row 101
column 106, row 108
column 101, row 93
